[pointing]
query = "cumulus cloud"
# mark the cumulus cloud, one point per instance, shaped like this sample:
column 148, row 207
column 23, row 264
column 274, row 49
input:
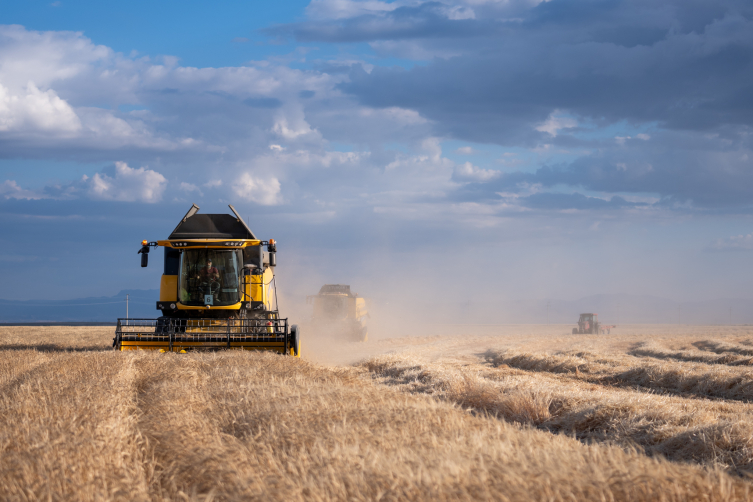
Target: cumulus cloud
column 264, row 191
column 36, row 111
column 45, row 57
column 9, row 189
column 296, row 128
column 469, row 172
column 124, row 183
column 189, row 188
column 129, row 184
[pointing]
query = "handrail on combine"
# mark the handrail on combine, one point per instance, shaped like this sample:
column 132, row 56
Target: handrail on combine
column 250, row 282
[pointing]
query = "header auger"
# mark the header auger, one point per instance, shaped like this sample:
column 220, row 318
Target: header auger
column 217, row 292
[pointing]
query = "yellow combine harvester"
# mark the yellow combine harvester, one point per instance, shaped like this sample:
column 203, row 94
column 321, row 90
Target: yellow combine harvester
column 217, row 292
column 338, row 310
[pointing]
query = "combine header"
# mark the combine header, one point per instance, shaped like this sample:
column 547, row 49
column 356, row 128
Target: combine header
column 217, row 292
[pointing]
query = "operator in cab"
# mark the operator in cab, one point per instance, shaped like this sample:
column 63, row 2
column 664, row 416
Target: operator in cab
column 208, row 273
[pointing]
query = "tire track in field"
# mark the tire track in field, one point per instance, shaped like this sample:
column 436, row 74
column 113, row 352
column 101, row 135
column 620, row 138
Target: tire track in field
column 683, row 379
column 237, row 426
column 14, row 371
column 724, row 347
column 691, row 356
column 65, row 432
column 189, row 457
column 679, row 428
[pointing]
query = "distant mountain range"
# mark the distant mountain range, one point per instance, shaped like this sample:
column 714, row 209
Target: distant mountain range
column 612, row 309
column 141, row 303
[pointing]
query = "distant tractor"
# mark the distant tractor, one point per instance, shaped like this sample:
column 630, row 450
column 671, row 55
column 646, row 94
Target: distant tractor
column 589, row 324
column 339, row 311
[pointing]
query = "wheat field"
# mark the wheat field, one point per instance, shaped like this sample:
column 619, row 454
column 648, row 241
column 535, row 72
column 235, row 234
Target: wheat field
column 469, row 413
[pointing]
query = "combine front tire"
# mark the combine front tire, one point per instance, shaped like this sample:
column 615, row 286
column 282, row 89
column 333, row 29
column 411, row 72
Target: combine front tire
column 295, row 340
column 575, row 331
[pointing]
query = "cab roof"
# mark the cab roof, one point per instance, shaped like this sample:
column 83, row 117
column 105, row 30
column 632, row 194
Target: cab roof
column 211, row 226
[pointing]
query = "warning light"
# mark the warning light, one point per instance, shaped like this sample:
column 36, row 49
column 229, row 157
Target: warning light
column 271, row 242
column 144, row 243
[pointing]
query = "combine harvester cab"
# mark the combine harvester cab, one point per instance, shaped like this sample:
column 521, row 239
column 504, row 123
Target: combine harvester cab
column 217, row 292
column 339, row 311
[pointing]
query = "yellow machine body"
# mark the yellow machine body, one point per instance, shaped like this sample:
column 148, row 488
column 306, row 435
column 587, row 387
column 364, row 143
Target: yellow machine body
column 251, row 323
column 338, row 311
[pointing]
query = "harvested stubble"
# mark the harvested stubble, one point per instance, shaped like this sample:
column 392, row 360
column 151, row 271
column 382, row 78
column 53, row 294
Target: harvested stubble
column 56, row 338
column 681, row 378
column 651, row 349
column 681, row 429
column 723, row 347
column 145, row 426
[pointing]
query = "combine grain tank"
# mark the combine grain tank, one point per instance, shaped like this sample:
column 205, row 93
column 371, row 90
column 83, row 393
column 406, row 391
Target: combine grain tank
column 217, row 291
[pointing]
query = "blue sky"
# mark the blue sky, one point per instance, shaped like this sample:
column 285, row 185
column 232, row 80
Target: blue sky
column 524, row 149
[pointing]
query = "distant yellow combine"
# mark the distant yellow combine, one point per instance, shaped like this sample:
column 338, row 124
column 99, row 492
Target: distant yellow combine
column 217, row 292
column 340, row 311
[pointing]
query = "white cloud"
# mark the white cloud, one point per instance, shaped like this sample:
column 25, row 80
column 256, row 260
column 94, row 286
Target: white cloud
column 45, row 57
column 34, row 110
column 556, row 122
column 296, row 128
column 340, row 9
column 276, row 148
column 189, row 188
column 465, row 150
column 10, row 190
column 403, row 115
column 129, row 184
column 469, row 172
column 264, row 191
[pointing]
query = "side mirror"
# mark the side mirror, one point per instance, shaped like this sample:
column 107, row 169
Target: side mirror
column 272, row 250
column 144, row 252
